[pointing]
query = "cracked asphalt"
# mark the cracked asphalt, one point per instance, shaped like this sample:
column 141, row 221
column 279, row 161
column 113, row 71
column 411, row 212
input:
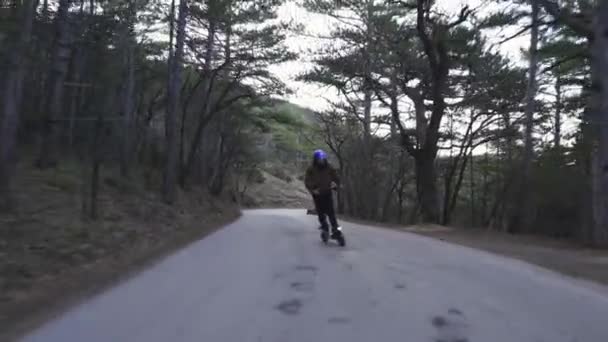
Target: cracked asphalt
column 267, row 277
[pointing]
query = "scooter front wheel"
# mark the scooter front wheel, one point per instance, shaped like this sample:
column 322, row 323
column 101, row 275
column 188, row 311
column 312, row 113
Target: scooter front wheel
column 341, row 240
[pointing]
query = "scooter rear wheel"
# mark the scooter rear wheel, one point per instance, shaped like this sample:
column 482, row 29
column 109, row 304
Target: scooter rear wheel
column 324, row 237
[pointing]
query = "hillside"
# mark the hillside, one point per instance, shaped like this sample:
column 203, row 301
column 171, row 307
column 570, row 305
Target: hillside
column 275, row 192
column 291, row 134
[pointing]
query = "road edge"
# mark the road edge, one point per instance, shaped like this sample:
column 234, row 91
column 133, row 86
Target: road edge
column 588, row 281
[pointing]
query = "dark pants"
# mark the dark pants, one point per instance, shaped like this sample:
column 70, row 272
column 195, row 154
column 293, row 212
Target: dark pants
column 324, row 204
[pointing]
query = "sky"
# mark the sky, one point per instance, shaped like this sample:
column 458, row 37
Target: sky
column 313, row 96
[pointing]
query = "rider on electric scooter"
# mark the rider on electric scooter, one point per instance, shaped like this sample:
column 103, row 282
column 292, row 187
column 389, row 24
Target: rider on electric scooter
column 321, row 178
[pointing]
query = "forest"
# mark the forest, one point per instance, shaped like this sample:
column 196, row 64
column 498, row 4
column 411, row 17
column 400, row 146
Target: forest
column 436, row 123
column 123, row 121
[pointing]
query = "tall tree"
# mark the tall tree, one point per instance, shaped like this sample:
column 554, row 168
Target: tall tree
column 521, row 218
column 53, row 99
column 348, row 67
column 600, row 175
column 589, row 24
column 236, row 44
column 13, row 94
column 169, row 189
column 434, row 36
column 128, row 88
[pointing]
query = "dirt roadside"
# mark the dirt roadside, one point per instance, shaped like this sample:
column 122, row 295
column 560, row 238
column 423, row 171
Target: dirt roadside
column 561, row 256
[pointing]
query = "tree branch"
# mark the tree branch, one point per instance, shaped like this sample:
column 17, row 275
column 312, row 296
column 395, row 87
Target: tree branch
column 465, row 12
column 424, row 37
column 566, row 17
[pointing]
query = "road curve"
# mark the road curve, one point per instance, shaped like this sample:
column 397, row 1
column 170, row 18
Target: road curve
column 268, row 278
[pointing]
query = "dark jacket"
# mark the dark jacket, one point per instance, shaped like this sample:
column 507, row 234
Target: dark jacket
column 320, row 178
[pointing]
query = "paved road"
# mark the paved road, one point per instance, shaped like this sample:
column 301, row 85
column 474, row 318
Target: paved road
column 268, row 278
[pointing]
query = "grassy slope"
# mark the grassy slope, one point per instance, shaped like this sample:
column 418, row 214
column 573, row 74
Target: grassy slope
column 50, row 257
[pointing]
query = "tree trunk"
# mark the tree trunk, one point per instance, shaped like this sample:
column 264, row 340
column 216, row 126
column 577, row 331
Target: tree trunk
column 391, row 189
column 216, row 179
column 427, row 188
column 521, row 218
column 600, row 160
column 341, row 173
column 458, row 163
column 204, row 117
column 367, row 91
column 393, row 181
column 182, row 129
column 169, row 190
column 366, row 194
column 11, row 104
column 438, row 59
column 96, row 159
column 45, row 9
column 472, row 186
column 557, row 134
column 452, row 193
column 171, row 39
column 485, row 198
column 128, row 91
column 400, row 199
column 55, row 88
column 366, row 197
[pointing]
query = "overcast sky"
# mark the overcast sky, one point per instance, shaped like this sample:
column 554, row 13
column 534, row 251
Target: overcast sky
column 312, row 96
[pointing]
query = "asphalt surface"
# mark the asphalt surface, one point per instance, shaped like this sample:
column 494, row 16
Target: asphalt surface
column 267, row 277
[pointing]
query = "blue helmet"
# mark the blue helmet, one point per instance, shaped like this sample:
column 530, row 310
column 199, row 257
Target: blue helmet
column 319, row 155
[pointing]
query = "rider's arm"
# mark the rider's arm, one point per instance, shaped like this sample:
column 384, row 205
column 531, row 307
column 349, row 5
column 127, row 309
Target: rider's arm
column 334, row 176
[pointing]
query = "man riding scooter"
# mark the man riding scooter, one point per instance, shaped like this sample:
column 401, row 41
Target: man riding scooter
column 321, row 178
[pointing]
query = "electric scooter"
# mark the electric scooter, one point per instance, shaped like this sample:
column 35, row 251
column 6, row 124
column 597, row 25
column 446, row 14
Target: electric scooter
column 332, row 234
